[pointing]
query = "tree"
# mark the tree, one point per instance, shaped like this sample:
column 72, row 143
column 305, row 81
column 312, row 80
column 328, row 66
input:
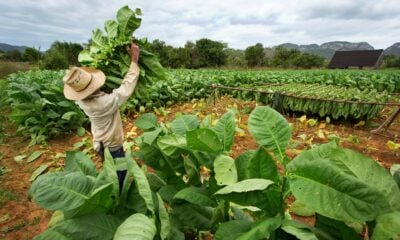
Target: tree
column 284, row 57
column 255, row 55
column 67, row 49
column 193, row 55
column 178, row 57
column 31, row 55
column 13, row 55
column 235, row 58
column 61, row 55
column 210, row 53
column 159, row 48
column 55, row 61
column 391, row 61
column 307, row 60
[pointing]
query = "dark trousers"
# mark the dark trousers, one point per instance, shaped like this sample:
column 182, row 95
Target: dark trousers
column 116, row 154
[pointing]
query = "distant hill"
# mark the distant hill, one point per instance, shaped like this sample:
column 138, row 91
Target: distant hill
column 7, row 47
column 327, row 50
column 393, row 50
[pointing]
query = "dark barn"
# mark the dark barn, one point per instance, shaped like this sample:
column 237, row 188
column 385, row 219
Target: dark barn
column 359, row 59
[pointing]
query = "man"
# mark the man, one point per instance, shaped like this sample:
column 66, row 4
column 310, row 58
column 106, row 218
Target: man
column 83, row 84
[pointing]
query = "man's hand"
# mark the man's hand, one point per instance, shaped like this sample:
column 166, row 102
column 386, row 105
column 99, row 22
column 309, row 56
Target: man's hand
column 134, row 52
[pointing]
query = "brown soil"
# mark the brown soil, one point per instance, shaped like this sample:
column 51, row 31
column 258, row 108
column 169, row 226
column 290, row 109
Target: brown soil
column 22, row 219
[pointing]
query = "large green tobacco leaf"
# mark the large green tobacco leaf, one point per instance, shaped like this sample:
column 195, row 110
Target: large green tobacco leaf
column 196, row 195
column 108, row 174
column 146, row 121
column 254, row 192
column 261, row 230
column 79, row 161
column 225, row 170
column 164, row 219
column 137, row 226
column 387, row 227
column 184, row 123
column 194, row 216
column 331, row 229
column 128, row 22
column 61, row 191
column 203, row 139
column 100, row 201
column 331, row 192
column 111, row 28
column 257, row 164
column 369, row 171
column 376, row 193
column 246, row 186
column 171, row 145
column 225, row 129
column 97, row 226
column 142, row 184
column 232, row 229
column 150, row 136
column 270, row 129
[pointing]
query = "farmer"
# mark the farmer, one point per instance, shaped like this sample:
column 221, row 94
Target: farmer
column 82, row 84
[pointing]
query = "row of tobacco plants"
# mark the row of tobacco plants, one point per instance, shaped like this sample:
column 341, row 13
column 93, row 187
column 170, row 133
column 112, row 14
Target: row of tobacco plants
column 33, row 93
column 188, row 184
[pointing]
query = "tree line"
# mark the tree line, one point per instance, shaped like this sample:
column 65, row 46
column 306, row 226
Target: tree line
column 203, row 53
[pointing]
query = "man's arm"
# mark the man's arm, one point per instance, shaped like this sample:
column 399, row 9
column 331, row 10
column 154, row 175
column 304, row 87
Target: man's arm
column 123, row 92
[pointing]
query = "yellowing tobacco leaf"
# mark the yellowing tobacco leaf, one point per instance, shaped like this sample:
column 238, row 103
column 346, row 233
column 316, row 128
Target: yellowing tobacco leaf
column 240, row 132
column 302, row 119
column 392, row 145
column 360, row 123
column 303, row 136
column 322, row 125
column 320, row 134
column 312, row 122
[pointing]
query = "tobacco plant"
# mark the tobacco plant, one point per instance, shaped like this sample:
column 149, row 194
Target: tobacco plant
column 245, row 198
column 38, row 105
column 192, row 185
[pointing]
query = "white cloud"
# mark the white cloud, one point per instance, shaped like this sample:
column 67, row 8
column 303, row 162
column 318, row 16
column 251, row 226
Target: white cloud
column 239, row 23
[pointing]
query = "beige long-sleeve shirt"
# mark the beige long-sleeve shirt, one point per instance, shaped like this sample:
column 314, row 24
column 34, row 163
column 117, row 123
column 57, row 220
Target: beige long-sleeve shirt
column 103, row 111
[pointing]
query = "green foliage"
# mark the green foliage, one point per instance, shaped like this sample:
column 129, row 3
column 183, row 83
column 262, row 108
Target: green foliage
column 293, row 58
column 3, row 100
column 203, row 187
column 54, row 60
column 38, row 105
column 31, row 55
column 391, row 61
column 255, row 55
column 91, row 205
column 210, row 53
column 235, row 58
column 13, row 55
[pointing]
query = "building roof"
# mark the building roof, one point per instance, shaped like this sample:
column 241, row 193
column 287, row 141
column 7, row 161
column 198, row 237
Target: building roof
column 358, row 58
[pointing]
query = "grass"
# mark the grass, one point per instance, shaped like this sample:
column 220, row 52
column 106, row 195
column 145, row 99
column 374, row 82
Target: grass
column 7, row 67
column 3, row 87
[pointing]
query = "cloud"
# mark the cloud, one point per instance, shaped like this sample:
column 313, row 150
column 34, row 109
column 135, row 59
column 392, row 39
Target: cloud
column 239, row 23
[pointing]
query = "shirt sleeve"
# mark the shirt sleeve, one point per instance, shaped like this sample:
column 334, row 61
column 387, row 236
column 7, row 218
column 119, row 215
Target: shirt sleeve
column 123, row 92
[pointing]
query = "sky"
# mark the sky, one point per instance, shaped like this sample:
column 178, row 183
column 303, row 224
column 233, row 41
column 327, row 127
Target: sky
column 239, row 23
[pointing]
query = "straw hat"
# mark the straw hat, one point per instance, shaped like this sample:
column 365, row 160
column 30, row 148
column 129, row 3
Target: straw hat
column 81, row 82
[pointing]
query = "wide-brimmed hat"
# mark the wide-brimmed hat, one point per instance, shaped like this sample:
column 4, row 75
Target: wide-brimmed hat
column 81, row 82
